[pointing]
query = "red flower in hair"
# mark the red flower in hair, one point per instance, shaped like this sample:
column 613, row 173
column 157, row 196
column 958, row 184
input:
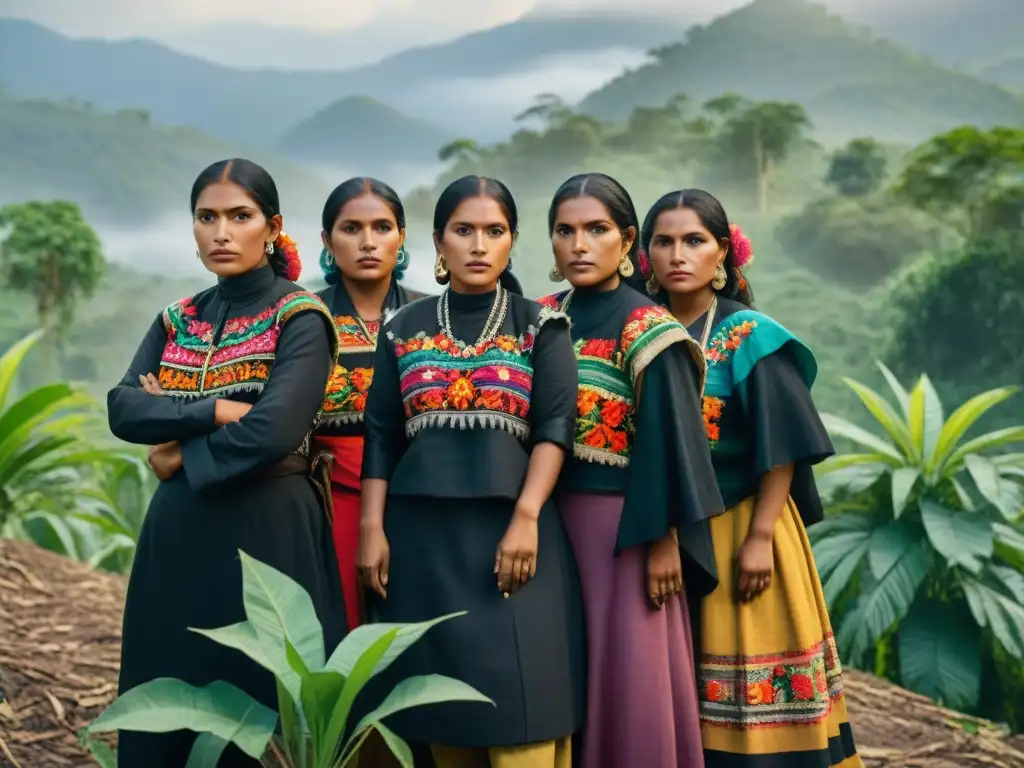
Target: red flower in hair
column 645, row 263
column 742, row 251
column 291, row 254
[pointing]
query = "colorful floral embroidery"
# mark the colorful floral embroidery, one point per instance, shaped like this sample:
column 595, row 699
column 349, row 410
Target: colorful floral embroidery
column 604, row 404
column 646, row 333
column 243, row 356
column 771, row 690
column 712, row 407
column 728, row 340
column 445, row 382
column 351, row 336
column 345, row 400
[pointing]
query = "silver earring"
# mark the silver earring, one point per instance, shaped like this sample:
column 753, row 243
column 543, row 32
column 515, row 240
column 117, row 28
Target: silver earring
column 269, row 250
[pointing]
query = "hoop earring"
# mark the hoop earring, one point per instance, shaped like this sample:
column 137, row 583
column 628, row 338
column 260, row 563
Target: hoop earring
column 720, row 279
column 653, row 286
column 403, row 258
column 269, row 250
column 626, row 266
column 555, row 275
column 440, row 270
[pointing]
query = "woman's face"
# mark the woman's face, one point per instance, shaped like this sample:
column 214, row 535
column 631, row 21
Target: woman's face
column 231, row 231
column 365, row 239
column 587, row 244
column 475, row 245
column 683, row 254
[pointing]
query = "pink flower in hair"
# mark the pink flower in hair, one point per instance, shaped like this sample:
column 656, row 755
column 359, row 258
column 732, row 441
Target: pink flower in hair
column 291, row 253
column 645, row 263
column 742, row 250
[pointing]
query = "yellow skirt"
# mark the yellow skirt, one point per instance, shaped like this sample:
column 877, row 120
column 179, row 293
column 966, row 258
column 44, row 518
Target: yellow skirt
column 547, row 754
column 770, row 679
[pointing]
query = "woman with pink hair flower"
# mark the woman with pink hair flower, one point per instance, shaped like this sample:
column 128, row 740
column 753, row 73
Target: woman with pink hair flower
column 770, row 683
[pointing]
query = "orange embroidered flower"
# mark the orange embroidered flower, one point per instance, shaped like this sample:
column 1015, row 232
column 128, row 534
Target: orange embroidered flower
column 358, row 402
column 362, row 378
column 618, row 441
column 712, row 410
column 595, row 438
column 714, row 691
column 586, row 401
column 613, row 412
column 505, row 343
column 821, row 680
column 760, row 692
column 491, row 400
column 461, row 393
column 602, row 348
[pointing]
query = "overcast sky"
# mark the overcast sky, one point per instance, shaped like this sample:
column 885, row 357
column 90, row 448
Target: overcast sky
column 154, row 18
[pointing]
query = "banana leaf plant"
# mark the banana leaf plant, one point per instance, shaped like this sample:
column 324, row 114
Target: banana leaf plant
column 923, row 548
column 315, row 694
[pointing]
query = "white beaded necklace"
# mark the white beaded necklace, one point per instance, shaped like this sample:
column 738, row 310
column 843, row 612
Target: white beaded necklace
column 495, row 319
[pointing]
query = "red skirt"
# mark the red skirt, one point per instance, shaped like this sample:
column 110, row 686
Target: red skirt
column 348, row 459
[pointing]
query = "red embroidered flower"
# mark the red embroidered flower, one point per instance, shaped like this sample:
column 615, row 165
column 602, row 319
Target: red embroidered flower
column 461, row 393
column 188, row 308
column 291, row 255
column 803, row 688
column 602, row 348
column 613, row 412
column 714, row 691
column 779, row 671
column 742, row 250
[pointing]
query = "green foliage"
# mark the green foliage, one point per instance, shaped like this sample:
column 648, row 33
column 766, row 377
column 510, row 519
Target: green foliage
column 969, row 176
column 961, row 314
column 923, row 540
column 858, row 169
column 858, row 241
column 282, row 634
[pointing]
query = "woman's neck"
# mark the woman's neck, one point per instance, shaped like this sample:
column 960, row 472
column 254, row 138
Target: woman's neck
column 367, row 296
column 689, row 307
column 612, row 282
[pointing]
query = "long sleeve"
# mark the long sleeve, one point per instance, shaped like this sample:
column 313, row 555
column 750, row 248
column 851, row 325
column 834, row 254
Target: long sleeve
column 671, row 479
column 785, row 427
column 555, row 383
column 384, row 419
column 279, row 420
column 136, row 416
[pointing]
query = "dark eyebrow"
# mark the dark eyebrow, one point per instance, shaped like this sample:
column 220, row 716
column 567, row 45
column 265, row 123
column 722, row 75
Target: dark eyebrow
column 589, row 224
column 492, row 225
column 235, row 209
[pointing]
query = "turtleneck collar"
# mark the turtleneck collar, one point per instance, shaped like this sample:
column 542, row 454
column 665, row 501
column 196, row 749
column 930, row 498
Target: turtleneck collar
column 247, row 287
column 467, row 302
column 596, row 295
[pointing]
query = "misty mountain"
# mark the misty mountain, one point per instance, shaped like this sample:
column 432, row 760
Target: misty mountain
column 1009, row 72
column 365, row 135
column 851, row 83
column 472, row 85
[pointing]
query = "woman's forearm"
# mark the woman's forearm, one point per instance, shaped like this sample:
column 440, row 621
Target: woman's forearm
column 373, row 494
column 541, row 475
column 772, row 494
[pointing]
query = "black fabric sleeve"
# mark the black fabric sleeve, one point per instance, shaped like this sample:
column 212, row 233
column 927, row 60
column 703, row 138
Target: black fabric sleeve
column 785, row 427
column 671, row 480
column 384, row 418
column 555, row 384
column 136, row 416
column 280, row 419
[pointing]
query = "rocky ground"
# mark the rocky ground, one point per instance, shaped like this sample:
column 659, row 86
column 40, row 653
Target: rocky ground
column 60, row 633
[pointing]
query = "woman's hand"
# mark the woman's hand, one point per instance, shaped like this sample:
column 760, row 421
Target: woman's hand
column 229, row 411
column 664, row 570
column 165, row 459
column 374, row 558
column 754, row 564
column 515, row 562
column 151, row 384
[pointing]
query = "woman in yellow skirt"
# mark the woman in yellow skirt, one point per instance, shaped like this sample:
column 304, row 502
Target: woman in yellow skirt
column 771, row 687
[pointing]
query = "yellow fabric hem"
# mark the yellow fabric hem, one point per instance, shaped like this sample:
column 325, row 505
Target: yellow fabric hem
column 545, row 754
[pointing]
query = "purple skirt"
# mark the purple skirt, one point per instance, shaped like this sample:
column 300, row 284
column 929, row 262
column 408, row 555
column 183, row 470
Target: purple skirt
column 642, row 705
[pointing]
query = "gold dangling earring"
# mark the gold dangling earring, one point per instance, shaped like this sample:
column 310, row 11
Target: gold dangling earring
column 653, row 286
column 720, row 279
column 626, row 266
column 440, row 270
column 555, row 275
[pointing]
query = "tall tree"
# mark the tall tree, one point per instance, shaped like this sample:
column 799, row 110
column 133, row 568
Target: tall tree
column 49, row 251
column 459, row 150
column 858, row 169
column 549, row 108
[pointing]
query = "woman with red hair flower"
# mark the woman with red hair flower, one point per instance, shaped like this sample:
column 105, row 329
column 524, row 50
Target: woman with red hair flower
column 227, row 387
column 771, row 687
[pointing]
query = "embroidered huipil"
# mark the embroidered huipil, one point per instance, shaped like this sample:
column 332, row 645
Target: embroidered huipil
column 757, row 407
column 650, row 449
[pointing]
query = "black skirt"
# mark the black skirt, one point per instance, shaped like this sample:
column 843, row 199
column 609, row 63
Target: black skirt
column 525, row 652
column 187, row 574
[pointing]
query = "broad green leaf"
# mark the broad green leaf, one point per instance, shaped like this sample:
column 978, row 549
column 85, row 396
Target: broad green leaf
column 852, row 479
column 884, row 414
column 890, row 598
column 940, row 653
column 100, row 751
column 847, row 460
column 986, row 479
column 279, row 608
column 846, row 565
column 292, row 724
column 932, row 417
column 419, row 691
column 901, row 395
column 983, row 443
column 1010, row 581
column 206, row 751
column 903, row 480
column 359, row 641
column 243, row 637
column 1003, row 616
column 164, row 705
column 889, row 543
column 399, row 748
column 961, row 420
column 11, row 361
column 1009, row 460
column 1009, row 536
column 963, row 538
column 52, row 533
column 842, row 428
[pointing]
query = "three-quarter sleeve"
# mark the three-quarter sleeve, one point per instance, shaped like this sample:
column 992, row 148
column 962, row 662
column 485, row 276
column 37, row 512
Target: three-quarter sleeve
column 785, row 427
column 280, row 419
column 384, row 418
column 136, row 416
column 671, row 480
column 555, row 384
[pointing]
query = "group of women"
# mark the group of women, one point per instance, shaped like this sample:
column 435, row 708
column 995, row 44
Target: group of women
column 613, row 481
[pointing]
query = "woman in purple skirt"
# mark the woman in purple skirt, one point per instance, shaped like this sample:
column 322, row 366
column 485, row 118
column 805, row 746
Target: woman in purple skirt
column 636, row 496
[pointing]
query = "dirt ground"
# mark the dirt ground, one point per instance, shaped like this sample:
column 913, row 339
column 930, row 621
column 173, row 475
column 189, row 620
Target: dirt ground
column 60, row 634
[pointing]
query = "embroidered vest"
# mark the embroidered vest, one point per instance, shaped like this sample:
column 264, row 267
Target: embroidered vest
column 352, row 376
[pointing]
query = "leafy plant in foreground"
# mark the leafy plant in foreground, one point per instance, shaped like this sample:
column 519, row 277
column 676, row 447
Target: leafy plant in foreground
column 315, row 695
column 926, row 543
